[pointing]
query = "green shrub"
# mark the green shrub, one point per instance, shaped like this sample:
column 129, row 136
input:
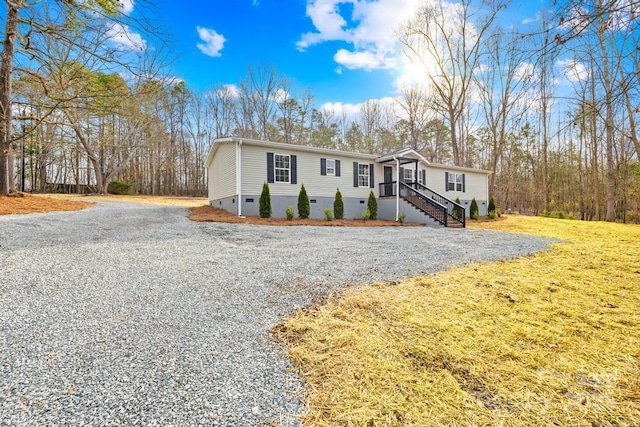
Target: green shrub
column 560, row 215
column 366, row 214
column 265, row 202
column 372, row 206
column 499, row 213
column 473, row 209
column 119, row 187
column 492, row 214
column 304, row 209
column 328, row 214
column 571, row 216
column 492, row 205
column 545, row 213
column 457, row 200
column 338, row 206
column 401, row 217
column 290, row 212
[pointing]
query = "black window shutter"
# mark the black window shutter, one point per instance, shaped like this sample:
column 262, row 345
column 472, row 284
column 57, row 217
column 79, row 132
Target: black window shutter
column 294, row 169
column 424, row 177
column 337, row 167
column 401, row 174
column 323, row 166
column 270, row 168
column 446, row 181
column 463, row 189
column 371, row 183
column 355, row 174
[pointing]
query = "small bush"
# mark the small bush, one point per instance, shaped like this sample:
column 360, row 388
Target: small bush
column 492, row 214
column 571, row 216
column 119, row 187
column 492, row 205
column 545, row 213
column 366, row 215
column 457, row 200
column 560, row 215
column 328, row 214
column 401, row 217
column 265, row 202
column 499, row 213
column 290, row 212
column 303, row 203
column 372, row 205
column 338, row 206
column 473, row 209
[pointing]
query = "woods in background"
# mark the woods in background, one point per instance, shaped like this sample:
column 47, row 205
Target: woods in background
column 552, row 113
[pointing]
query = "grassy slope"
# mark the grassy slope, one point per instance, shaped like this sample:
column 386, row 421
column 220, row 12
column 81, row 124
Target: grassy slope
column 550, row 339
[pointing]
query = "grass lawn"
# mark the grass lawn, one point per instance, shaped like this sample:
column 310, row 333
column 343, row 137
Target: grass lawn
column 549, row 339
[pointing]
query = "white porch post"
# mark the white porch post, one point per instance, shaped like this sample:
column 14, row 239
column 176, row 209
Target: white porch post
column 397, row 188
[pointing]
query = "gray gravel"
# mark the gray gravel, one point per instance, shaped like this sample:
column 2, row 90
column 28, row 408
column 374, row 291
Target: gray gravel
column 128, row 314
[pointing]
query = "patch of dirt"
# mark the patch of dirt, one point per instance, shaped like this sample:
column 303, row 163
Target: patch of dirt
column 211, row 214
column 142, row 199
column 20, row 203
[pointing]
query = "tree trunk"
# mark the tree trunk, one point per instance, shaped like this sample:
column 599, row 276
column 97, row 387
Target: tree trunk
column 6, row 70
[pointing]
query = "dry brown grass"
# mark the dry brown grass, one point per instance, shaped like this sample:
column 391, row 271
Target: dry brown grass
column 211, row 214
column 549, row 339
column 186, row 202
column 26, row 203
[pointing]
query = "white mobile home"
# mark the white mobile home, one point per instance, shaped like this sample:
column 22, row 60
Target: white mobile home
column 403, row 181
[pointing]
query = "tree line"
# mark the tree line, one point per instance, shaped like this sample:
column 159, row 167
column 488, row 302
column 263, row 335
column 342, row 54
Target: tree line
column 551, row 111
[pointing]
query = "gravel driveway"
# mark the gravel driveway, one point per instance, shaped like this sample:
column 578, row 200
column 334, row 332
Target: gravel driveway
column 128, row 314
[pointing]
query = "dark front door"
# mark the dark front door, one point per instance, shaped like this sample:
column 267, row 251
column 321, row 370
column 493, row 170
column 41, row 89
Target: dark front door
column 388, row 179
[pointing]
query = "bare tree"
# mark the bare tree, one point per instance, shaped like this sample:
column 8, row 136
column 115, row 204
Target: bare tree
column 447, row 38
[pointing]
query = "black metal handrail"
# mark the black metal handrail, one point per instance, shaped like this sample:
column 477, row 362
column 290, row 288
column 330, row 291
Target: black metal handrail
column 423, row 196
column 455, row 210
column 429, row 206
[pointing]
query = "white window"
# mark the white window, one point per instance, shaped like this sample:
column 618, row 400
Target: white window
column 455, row 182
column 281, row 167
column 363, row 175
column 420, row 177
column 331, row 167
column 459, row 178
column 408, row 175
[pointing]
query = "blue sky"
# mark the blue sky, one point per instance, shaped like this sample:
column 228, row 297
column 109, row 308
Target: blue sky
column 344, row 51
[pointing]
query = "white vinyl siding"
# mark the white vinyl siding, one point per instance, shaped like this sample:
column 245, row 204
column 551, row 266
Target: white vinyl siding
column 222, row 173
column 254, row 174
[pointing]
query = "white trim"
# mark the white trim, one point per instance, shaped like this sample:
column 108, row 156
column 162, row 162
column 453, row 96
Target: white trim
column 397, row 187
column 326, row 167
column 239, row 175
column 275, row 169
column 368, row 175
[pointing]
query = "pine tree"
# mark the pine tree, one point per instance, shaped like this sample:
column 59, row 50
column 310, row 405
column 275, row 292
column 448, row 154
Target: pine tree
column 265, row 202
column 492, row 205
column 473, row 210
column 338, row 206
column 372, row 205
column 303, row 203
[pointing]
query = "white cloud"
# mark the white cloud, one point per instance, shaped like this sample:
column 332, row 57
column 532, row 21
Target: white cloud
column 352, row 111
column 531, row 20
column 526, row 72
column 369, row 29
column 573, row 70
column 213, row 42
column 125, row 6
column 363, row 60
column 126, row 39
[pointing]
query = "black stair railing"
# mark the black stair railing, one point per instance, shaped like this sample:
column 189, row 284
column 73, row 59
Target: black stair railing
column 429, row 206
column 441, row 209
column 455, row 210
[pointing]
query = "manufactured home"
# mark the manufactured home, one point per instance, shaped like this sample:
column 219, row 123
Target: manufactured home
column 404, row 182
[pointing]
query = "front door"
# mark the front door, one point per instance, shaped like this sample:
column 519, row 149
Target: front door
column 388, row 179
